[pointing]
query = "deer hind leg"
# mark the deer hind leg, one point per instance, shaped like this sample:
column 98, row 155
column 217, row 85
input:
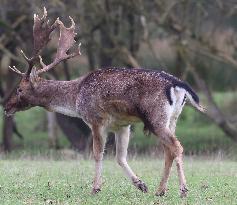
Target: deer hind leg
column 174, row 117
column 172, row 124
column 176, row 151
column 166, row 173
column 99, row 138
column 122, row 140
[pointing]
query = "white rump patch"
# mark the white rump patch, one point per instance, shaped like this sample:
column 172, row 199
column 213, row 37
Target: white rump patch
column 170, row 108
column 179, row 93
column 173, row 111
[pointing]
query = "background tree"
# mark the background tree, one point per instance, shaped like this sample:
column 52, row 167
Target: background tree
column 195, row 40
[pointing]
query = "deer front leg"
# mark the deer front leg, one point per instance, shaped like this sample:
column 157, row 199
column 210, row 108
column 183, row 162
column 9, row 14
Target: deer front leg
column 168, row 164
column 98, row 149
column 122, row 140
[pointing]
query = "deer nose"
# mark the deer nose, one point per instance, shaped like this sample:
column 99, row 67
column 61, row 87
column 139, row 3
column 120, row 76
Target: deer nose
column 5, row 111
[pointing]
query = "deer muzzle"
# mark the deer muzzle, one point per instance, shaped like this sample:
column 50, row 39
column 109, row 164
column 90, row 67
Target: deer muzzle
column 9, row 112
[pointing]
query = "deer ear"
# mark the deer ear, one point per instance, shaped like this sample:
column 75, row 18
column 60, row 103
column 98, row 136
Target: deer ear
column 34, row 78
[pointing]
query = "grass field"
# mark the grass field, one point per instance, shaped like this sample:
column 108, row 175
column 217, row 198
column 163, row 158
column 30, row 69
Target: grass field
column 69, row 182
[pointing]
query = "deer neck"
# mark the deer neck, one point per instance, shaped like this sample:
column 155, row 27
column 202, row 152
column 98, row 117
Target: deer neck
column 59, row 96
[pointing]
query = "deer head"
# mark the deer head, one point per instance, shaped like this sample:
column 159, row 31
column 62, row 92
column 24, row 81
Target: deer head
column 25, row 94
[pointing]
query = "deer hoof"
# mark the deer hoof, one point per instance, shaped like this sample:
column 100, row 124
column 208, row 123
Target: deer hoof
column 141, row 186
column 183, row 192
column 95, row 191
column 161, row 193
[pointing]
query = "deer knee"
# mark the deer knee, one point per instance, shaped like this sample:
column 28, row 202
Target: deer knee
column 98, row 153
column 121, row 161
column 178, row 148
column 171, row 142
column 98, row 156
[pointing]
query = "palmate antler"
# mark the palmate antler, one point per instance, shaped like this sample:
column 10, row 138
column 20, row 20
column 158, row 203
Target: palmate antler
column 41, row 34
column 65, row 42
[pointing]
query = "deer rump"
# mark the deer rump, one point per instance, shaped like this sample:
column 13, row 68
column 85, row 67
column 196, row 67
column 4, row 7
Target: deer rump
column 126, row 96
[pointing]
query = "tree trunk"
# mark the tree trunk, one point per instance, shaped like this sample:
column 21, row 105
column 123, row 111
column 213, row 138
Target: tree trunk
column 7, row 133
column 76, row 131
column 52, row 130
column 213, row 111
column 105, row 39
column 66, row 70
column 90, row 52
column 106, row 45
column 134, row 35
column 8, row 123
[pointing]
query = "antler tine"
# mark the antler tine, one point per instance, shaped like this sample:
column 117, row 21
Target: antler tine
column 41, row 35
column 14, row 69
column 41, row 32
column 73, row 24
column 65, row 42
column 41, row 62
column 25, row 57
column 79, row 48
column 45, row 13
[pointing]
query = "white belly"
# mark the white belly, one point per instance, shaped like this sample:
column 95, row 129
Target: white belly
column 65, row 111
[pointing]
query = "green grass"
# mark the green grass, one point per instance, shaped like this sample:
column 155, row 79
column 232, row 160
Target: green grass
column 69, row 182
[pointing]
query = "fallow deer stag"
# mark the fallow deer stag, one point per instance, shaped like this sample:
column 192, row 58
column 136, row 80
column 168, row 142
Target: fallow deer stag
column 107, row 100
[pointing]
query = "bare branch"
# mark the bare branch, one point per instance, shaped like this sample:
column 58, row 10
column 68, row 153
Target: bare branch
column 218, row 56
column 10, row 54
column 214, row 113
column 4, row 37
column 128, row 58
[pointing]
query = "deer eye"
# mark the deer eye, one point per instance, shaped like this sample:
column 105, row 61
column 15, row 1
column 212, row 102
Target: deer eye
column 19, row 90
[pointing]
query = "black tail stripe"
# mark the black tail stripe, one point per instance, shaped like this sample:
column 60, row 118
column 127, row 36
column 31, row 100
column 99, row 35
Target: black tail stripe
column 177, row 82
column 168, row 94
column 184, row 99
column 189, row 90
